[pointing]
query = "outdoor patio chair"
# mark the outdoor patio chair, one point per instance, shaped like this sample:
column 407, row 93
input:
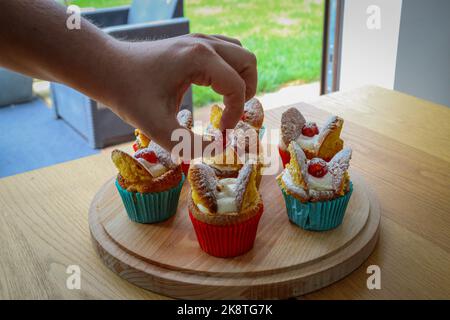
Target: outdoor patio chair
column 14, row 87
column 143, row 20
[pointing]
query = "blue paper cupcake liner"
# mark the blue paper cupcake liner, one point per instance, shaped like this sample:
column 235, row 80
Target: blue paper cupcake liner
column 151, row 207
column 317, row 216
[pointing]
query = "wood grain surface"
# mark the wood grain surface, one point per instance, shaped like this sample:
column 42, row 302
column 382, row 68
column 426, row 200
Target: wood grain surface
column 286, row 261
column 401, row 147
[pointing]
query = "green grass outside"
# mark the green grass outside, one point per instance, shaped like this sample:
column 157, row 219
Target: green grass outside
column 285, row 35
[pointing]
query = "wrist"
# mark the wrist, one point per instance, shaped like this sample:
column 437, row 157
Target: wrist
column 127, row 73
column 119, row 71
column 108, row 76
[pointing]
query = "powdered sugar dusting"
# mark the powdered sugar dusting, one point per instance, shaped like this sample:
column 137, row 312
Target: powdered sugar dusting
column 291, row 186
column 321, row 195
column 185, row 119
column 244, row 126
column 242, row 183
column 163, row 155
column 243, row 136
column 338, row 166
column 206, row 176
column 204, row 180
column 292, row 122
column 254, row 112
column 328, row 126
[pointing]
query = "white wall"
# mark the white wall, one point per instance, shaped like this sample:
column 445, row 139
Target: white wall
column 423, row 55
column 368, row 56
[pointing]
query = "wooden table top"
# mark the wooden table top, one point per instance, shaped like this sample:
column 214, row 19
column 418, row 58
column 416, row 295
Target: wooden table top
column 401, row 145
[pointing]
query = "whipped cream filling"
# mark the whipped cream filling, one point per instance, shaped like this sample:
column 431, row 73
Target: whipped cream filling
column 226, row 198
column 309, row 143
column 155, row 169
column 324, row 183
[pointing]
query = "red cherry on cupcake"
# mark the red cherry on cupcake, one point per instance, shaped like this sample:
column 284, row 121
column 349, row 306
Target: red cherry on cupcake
column 310, row 129
column 147, row 155
column 317, row 168
column 135, row 147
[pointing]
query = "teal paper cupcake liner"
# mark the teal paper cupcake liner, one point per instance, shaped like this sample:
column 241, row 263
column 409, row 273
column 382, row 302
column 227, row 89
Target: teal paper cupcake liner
column 151, row 207
column 317, row 216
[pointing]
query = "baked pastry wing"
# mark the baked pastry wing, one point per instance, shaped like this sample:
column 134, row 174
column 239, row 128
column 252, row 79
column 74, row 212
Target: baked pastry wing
column 292, row 122
column 294, row 178
column 142, row 140
column 253, row 113
column 129, row 168
column 185, row 118
column 329, row 139
column 162, row 154
column 215, row 116
column 246, row 191
column 297, row 166
column 204, row 184
column 244, row 136
column 338, row 167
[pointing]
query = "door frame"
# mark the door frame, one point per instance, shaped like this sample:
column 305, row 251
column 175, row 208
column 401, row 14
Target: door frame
column 331, row 45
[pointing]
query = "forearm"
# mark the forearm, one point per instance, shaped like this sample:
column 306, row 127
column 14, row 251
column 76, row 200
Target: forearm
column 34, row 40
column 142, row 82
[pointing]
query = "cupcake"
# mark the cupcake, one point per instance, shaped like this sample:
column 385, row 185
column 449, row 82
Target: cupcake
column 316, row 192
column 241, row 145
column 252, row 117
column 184, row 118
column 149, row 183
column 321, row 143
column 224, row 212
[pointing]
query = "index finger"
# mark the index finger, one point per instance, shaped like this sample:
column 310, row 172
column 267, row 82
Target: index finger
column 242, row 60
column 214, row 71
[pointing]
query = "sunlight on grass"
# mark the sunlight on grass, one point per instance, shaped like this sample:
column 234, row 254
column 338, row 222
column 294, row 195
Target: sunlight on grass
column 285, row 35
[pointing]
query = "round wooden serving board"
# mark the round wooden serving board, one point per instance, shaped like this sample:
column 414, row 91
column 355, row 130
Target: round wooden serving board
column 285, row 261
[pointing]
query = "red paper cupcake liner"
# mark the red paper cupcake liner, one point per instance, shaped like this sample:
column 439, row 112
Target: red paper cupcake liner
column 285, row 156
column 227, row 241
column 185, row 167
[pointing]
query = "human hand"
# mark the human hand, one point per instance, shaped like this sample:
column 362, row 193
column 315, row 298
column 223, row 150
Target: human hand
column 142, row 82
column 153, row 77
